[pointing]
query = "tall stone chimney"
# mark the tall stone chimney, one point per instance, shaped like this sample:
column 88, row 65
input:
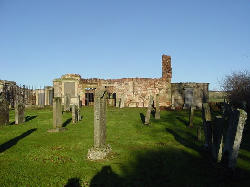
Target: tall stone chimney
column 166, row 67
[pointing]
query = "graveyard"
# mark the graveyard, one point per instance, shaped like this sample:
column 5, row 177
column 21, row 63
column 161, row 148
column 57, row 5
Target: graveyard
column 124, row 93
column 165, row 153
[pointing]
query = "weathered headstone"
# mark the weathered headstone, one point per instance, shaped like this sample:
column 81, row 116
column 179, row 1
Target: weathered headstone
column 206, row 117
column 217, row 132
column 157, row 107
column 4, row 110
column 191, row 116
column 74, row 114
column 79, row 117
column 19, row 113
column 148, row 114
column 172, row 103
column 100, row 149
column 233, row 137
column 57, row 115
column 67, row 99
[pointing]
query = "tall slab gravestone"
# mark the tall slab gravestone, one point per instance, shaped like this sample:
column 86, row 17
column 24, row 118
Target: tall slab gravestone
column 157, row 107
column 74, row 114
column 233, row 137
column 67, row 99
column 148, row 114
column 191, row 116
column 100, row 150
column 57, row 115
column 4, row 110
column 19, row 113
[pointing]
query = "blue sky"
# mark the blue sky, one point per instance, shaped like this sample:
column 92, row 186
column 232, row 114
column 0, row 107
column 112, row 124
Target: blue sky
column 42, row 39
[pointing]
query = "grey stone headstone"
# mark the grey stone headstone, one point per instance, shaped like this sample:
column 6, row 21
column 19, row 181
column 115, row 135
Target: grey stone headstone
column 148, row 114
column 100, row 117
column 157, row 107
column 233, row 137
column 79, row 117
column 191, row 116
column 57, row 112
column 4, row 110
column 67, row 99
column 19, row 113
column 74, row 114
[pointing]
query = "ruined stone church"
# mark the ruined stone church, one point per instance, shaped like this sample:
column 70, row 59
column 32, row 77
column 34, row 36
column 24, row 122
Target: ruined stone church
column 133, row 92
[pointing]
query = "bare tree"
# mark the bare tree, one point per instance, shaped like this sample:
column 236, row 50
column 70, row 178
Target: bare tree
column 237, row 88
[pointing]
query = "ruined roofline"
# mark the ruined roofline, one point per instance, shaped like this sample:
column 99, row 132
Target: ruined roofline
column 190, row 83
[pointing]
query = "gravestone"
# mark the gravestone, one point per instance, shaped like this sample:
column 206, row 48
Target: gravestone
column 57, row 115
column 233, row 137
column 157, row 107
column 100, row 149
column 217, row 132
column 188, row 97
column 4, row 110
column 206, row 117
column 191, row 116
column 74, row 114
column 172, row 103
column 148, row 114
column 67, row 99
column 19, row 113
column 79, row 117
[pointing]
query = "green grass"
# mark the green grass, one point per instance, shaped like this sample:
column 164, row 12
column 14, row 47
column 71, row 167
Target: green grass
column 166, row 153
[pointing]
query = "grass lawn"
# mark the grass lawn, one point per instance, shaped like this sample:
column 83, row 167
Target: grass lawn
column 166, row 153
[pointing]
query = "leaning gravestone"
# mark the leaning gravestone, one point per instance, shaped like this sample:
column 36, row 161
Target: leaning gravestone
column 148, row 114
column 233, row 137
column 19, row 113
column 100, row 149
column 57, row 115
column 206, row 117
column 157, row 107
column 191, row 116
column 4, row 110
column 67, row 103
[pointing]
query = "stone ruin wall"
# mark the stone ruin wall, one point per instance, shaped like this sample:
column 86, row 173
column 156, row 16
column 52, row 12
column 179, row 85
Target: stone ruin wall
column 134, row 91
column 200, row 93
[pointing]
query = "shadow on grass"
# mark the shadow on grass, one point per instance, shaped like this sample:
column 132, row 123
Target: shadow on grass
column 142, row 118
column 73, row 182
column 66, row 122
column 29, row 118
column 182, row 121
column 14, row 141
column 168, row 166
